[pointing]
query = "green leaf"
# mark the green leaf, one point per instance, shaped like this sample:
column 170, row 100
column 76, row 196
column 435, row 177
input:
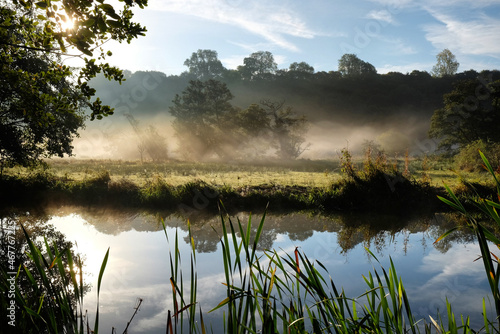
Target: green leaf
column 88, row 23
column 444, row 235
column 41, row 4
column 113, row 23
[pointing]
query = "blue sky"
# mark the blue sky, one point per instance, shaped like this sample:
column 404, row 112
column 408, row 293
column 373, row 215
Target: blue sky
column 390, row 34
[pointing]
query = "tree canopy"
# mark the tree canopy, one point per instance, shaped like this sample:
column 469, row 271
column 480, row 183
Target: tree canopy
column 204, row 65
column 43, row 101
column 446, row 65
column 471, row 112
column 260, row 65
column 207, row 125
column 351, row 65
column 201, row 114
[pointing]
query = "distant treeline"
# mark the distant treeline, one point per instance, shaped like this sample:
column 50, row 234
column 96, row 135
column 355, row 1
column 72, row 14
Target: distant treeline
column 320, row 96
column 359, row 98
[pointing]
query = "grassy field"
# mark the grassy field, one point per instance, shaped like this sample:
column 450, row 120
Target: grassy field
column 307, row 173
column 293, row 185
column 315, row 174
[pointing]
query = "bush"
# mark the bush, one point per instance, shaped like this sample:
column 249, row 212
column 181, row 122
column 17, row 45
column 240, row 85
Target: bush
column 469, row 160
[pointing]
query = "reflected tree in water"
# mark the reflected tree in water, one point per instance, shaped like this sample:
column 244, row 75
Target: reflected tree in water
column 42, row 235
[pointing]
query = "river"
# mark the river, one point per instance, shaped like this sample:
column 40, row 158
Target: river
column 139, row 268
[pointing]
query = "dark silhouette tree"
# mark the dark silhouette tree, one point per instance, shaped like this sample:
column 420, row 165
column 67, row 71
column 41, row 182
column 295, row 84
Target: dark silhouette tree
column 203, row 115
column 351, row 65
column 471, row 112
column 260, row 65
column 299, row 71
column 287, row 129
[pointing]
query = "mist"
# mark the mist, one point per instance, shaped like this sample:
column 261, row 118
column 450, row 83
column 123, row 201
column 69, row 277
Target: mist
column 115, row 138
column 391, row 112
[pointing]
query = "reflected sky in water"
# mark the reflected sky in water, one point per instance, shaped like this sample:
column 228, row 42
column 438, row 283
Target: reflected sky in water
column 138, row 265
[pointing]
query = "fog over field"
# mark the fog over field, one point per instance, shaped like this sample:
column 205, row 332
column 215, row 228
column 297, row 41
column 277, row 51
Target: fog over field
column 115, row 138
column 387, row 110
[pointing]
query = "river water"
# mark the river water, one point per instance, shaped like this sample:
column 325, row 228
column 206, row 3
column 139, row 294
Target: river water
column 139, row 268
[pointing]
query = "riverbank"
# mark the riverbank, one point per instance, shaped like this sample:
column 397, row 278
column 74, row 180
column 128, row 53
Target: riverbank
column 191, row 187
column 378, row 192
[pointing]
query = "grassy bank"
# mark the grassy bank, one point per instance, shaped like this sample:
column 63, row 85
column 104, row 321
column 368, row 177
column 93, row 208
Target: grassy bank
column 296, row 185
column 378, row 191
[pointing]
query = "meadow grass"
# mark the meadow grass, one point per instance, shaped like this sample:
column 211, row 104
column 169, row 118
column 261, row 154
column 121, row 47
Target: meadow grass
column 294, row 185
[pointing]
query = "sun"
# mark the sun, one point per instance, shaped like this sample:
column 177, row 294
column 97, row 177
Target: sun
column 67, row 24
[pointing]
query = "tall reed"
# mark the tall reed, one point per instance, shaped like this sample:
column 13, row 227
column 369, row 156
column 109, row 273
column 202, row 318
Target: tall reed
column 269, row 291
column 52, row 302
column 489, row 209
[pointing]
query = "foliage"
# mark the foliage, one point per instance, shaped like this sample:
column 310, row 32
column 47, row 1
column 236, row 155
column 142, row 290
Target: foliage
column 287, row 129
column 446, row 64
column 207, row 124
column 204, row 65
column 202, row 115
column 271, row 291
column 43, row 101
column 260, row 65
column 49, row 288
column 150, row 141
column 350, row 65
column 467, row 158
column 471, row 112
column 297, row 71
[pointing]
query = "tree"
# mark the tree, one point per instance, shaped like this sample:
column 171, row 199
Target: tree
column 150, row 141
column 446, row 64
column 471, row 112
column 260, row 65
column 351, row 65
column 43, row 101
column 301, row 67
column 203, row 119
column 287, row 129
column 204, row 65
column 300, row 70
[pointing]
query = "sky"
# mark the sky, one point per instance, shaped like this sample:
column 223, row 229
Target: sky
column 392, row 35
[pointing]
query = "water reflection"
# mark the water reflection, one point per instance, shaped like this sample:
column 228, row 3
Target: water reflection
column 372, row 231
column 138, row 265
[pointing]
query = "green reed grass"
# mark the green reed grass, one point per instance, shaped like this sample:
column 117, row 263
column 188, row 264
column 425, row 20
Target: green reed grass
column 269, row 291
column 52, row 302
column 489, row 209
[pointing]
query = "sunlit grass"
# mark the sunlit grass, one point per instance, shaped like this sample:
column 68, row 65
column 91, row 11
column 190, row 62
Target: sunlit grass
column 302, row 173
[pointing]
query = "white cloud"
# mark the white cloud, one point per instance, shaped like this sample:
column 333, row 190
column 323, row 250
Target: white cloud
column 474, row 37
column 380, row 15
column 272, row 22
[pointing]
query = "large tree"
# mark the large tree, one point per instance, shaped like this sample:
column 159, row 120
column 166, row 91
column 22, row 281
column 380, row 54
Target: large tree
column 287, row 129
column 203, row 119
column 260, row 65
column 207, row 125
column 446, row 65
column 471, row 112
column 299, row 71
column 351, row 65
column 204, row 65
column 42, row 100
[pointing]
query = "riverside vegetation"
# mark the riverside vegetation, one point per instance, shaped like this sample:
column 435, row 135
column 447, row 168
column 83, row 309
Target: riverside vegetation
column 379, row 183
column 266, row 291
